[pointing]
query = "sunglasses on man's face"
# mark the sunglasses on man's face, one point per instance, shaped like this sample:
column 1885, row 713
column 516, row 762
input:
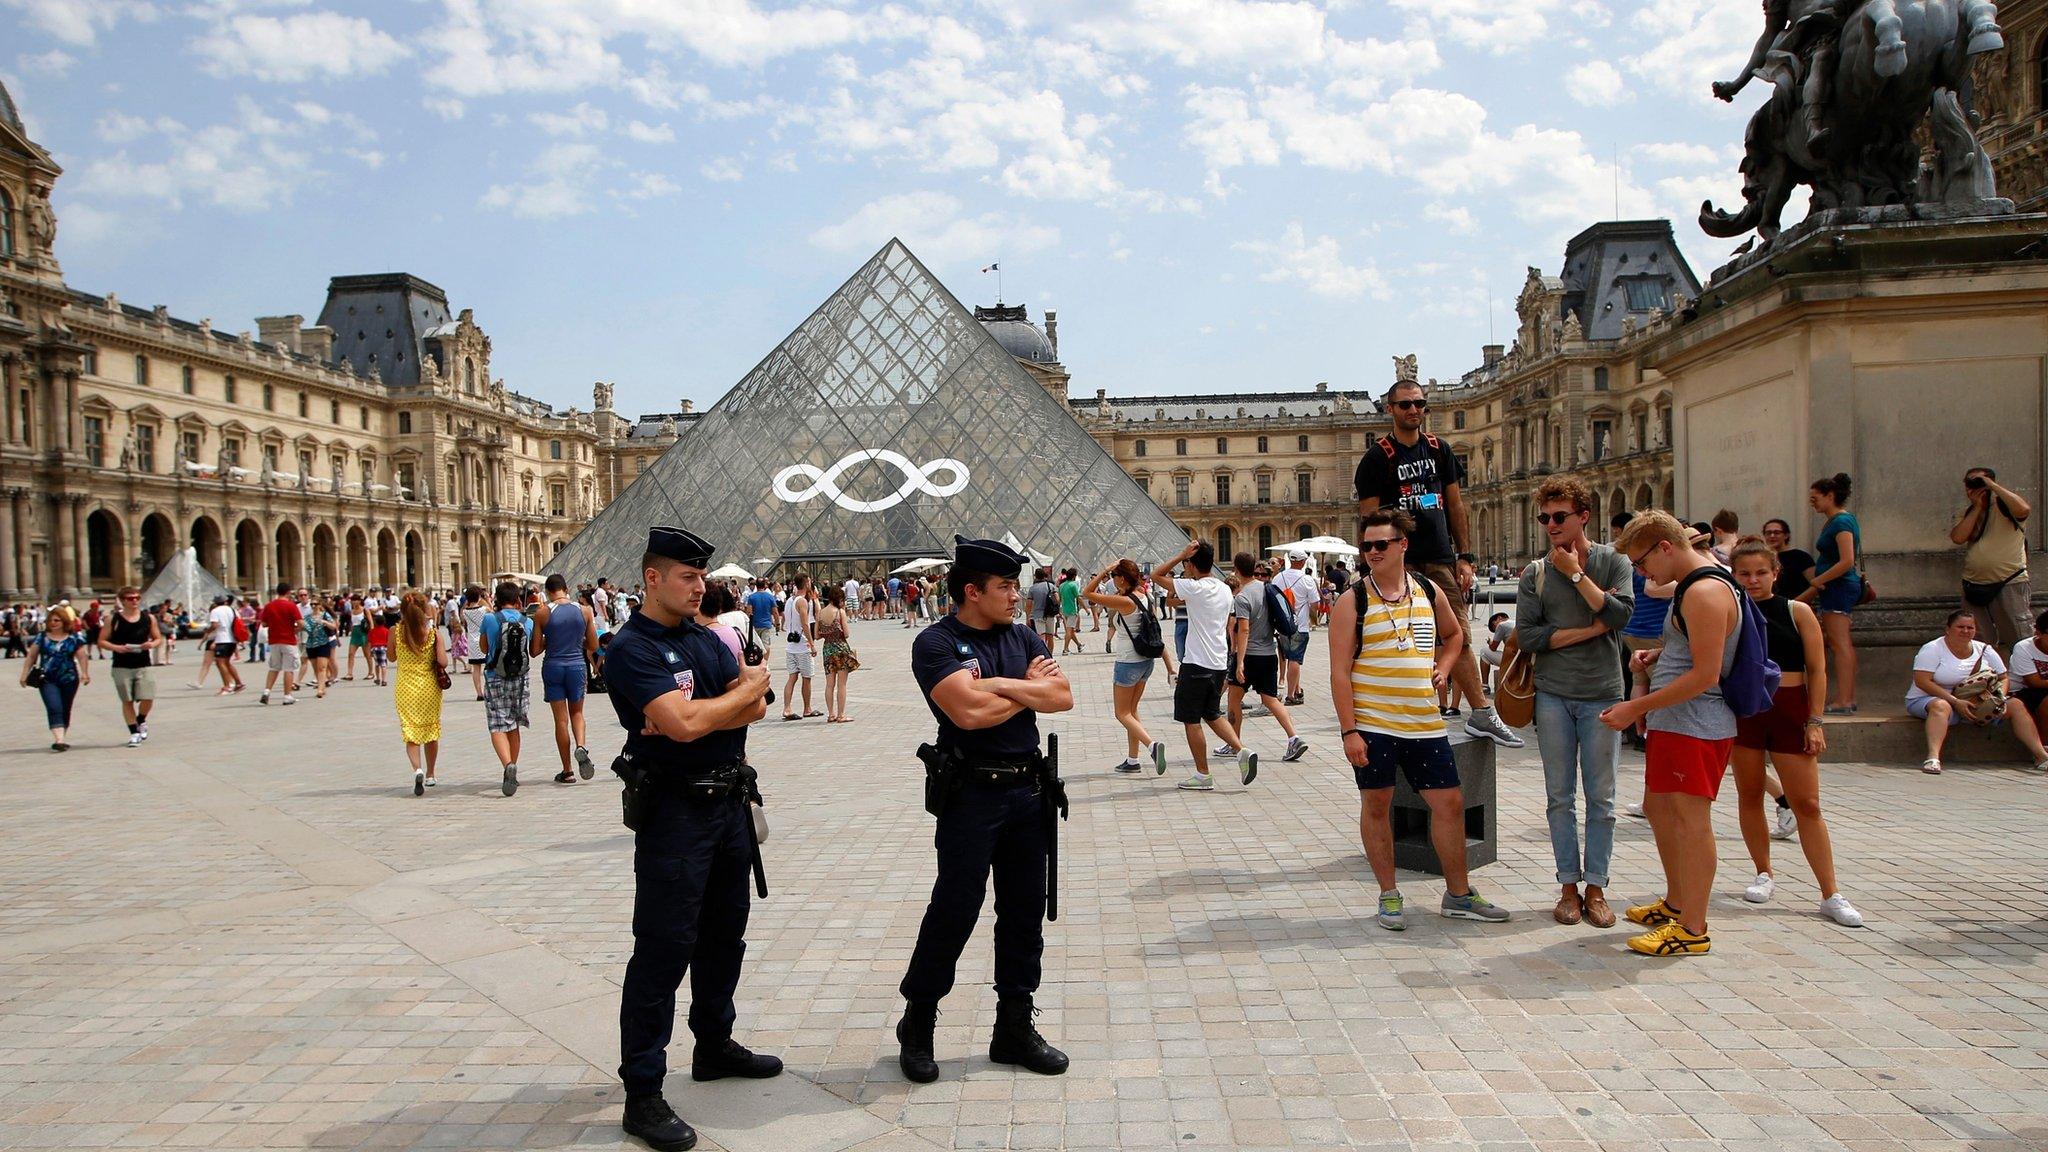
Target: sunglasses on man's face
column 1636, row 562
column 1557, row 518
column 1417, row 405
column 1375, row 546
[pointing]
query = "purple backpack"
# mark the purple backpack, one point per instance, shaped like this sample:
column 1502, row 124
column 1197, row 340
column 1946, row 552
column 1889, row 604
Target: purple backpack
column 1751, row 684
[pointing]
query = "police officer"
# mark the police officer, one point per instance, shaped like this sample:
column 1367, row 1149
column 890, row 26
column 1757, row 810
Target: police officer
column 985, row 679
column 685, row 703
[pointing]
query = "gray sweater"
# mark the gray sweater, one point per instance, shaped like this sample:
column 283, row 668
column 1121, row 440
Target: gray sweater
column 1590, row 669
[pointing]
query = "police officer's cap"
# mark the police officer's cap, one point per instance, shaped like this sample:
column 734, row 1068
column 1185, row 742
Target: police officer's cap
column 681, row 545
column 991, row 556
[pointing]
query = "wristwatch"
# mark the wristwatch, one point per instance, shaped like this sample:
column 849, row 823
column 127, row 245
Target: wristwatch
column 1578, row 576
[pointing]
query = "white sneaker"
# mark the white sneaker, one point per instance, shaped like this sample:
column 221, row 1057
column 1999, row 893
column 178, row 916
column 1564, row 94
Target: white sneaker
column 1199, row 782
column 1760, row 891
column 1838, row 909
column 142, row 730
column 1787, row 825
column 1223, row 750
column 289, row 699
column 1635, row 809
column 264, row 698
column 135, row 739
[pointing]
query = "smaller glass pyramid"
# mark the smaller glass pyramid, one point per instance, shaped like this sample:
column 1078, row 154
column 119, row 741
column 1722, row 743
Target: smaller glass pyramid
column 889, row 421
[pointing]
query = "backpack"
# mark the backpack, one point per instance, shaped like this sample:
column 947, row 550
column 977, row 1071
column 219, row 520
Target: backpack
column 1752, row 681
column 1280, row 615
column 508, row 657
column 1147, row 641
column 241, row 630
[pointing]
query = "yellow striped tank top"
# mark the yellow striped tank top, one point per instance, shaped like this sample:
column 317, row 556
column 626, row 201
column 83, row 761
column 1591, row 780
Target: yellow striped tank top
column 1390, row 689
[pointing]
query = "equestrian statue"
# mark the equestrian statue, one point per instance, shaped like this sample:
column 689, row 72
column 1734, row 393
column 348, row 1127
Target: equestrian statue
column 1850, row 82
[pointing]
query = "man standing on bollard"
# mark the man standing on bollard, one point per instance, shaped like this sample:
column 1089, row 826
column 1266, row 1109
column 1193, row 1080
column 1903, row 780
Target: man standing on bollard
column 986, row 679
column 685, row 703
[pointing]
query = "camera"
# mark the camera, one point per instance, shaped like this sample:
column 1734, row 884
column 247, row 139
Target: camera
column 1974, row 482
column 752, row 656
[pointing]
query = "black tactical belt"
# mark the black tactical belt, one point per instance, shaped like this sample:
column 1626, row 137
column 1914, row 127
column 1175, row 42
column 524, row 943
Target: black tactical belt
column 719, row 784
column 998, row 771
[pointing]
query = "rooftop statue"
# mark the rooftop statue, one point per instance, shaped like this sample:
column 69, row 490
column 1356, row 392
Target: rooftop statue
column 1851, row 81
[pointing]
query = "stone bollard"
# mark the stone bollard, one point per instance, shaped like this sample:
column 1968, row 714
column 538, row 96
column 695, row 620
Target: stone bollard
column 1412, row 847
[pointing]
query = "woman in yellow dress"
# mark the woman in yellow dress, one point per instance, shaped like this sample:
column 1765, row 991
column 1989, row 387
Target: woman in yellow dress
column 422, row 659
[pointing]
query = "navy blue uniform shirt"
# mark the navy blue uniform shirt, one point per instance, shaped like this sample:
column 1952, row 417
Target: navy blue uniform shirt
column 645, row 662
column 949, row 646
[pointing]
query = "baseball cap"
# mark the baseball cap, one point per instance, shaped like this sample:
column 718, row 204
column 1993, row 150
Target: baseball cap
column 1294, row 554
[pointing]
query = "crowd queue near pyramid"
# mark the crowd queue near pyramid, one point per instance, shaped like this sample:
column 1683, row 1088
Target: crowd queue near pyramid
column 1706, row 648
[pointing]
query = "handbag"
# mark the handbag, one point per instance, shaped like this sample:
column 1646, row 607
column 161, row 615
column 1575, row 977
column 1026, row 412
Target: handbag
column 1982, row 692
column 442, row 678
column 1514, row 696
column 36, row 677
column 1981, row 595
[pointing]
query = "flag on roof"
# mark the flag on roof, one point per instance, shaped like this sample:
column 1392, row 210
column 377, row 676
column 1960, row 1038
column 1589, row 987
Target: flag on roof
column 993, row 268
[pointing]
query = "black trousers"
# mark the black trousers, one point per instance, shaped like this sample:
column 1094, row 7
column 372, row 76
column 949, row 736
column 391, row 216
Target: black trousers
column 692, row 863
column 986, row 828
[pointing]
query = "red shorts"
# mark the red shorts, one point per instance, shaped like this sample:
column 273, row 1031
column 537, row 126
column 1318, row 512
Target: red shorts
column 1673, row 762
column 1783, row 728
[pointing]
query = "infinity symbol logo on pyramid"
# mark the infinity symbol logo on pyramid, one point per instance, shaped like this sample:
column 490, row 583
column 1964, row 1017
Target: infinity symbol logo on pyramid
column 825, row 482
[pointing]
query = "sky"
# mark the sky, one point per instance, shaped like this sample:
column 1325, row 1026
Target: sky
column 1215, row 195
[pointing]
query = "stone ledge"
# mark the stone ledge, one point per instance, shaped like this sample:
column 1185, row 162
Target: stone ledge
column 1892, row 739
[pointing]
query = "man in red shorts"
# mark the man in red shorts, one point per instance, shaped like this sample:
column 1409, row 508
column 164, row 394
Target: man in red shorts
column 1691, row 728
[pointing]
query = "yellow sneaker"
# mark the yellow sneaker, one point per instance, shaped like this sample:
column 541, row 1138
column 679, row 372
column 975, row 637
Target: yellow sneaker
column 1652, row 915
column 1670, row 939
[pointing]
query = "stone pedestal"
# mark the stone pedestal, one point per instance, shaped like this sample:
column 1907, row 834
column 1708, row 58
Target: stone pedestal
column 1900, row 351
column 1412, row 847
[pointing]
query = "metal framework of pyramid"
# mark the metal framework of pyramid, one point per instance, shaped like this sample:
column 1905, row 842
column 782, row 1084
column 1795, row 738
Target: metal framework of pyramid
column 888, row 421
column 186, row 583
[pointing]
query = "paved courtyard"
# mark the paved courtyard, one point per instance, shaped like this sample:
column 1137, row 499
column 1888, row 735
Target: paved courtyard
column 248, row 934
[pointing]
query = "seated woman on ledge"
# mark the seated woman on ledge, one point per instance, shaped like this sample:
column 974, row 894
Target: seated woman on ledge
column 1949, row 690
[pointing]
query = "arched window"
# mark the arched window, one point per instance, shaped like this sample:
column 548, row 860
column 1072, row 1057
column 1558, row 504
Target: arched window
column 6, row 224
column 469, row 375
column 2041, row 75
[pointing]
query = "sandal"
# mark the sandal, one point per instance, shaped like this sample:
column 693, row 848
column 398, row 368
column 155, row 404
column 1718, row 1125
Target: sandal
column 789, row 716
column 809, row 715
column 565, row 777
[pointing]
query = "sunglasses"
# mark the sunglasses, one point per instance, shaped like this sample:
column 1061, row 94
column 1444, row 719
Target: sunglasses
column 1375, row 546
column 1557, row 518
column 1636, row 562
column 1418, row 405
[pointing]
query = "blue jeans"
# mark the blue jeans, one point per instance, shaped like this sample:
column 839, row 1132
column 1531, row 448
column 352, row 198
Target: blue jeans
column 1577, row 747
column 1180, row 637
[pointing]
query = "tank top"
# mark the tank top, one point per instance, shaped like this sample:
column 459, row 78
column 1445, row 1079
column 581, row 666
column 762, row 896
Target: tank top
column 564, row 633
column 1705, row 716
column 1390, row 689
column 121, row 631
column 1128, row 654
column 1781, row 635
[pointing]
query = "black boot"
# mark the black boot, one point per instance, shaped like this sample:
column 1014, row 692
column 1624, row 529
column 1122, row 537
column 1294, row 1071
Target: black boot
column 914, row 1034
column 1016, row 1041
column 657, row 1125
column 730, row 1058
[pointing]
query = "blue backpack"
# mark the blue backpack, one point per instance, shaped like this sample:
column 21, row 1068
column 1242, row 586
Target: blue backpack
column 1752, row 682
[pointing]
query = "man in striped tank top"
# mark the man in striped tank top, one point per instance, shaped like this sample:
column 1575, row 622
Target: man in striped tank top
column 1393, row 643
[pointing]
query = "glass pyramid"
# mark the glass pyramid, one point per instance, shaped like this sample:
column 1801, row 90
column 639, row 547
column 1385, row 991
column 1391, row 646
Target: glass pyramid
column 887, row 422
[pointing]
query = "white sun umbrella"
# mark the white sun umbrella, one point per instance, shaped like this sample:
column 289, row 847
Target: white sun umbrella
column 921, row 564
column 1327, row 546
column 1037, row 557
column 731, row 572
column 520, row 578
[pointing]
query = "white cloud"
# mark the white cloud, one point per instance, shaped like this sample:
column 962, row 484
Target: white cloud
column 648, row 186
column 581, row 120
column 1317, row 265
column 1695, row 44
column 559, row 183
column 1677, row 153
column 55, row 63
column 1485, row 24
column 297, row 47
column 649, row 133
column 931, row 224
column 78, row 22
column 1457, row 220
column 1224, row 130
column 255, row 162
column 446, row 107
column 1596, row 84
column 723, row 168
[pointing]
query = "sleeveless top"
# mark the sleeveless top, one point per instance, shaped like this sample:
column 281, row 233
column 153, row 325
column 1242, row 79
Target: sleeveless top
column 120, row 631
column 1781, row 635
column 1128, row 654
column 1390, row 689
column 564, row 633
column 1705, row 716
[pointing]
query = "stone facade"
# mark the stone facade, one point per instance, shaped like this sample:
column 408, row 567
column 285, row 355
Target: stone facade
column 2012, row 102
column 297, row 454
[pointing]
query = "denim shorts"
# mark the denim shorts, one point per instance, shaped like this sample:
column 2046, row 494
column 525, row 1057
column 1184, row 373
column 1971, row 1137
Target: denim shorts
column 1917, row 709
column 1126, row 673
column 562, row 681
column 1842, row 596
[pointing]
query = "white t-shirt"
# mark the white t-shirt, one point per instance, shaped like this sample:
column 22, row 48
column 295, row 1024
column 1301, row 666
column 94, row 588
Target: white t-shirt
column 1948, row 670
column 1303, row 586
column 1208, row 611
column 221, row 625
column 2027, row 659
column 601, row 600
column 852, row 590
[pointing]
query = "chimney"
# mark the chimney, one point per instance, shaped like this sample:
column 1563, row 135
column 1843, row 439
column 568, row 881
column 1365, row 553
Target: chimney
column 689, row 406
column 317, row 342
column 280, row 331
column 1492, row 354
column 1052, row 332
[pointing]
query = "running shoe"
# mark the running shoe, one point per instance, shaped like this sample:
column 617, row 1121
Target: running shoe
column 1451, row 713
column 1483, row 722
column 430, row 781
column 1223, row 750
column 1670, row 940
column 142, row 729
column 1130, row 767
column 1760, row 891
column 135, row 739
column 1472, row 906
column 510, row 784
column 419, row 783
column 1651, row 915
column 1787, row 824
column 1390, row 914
column 289, row 699
column 1296, row 749
column 1838, row 909
column 1158, row 758
column 584, row 767
column 1635, row 809
column 265, row 698
column 1248, row 767
column 1199, row 782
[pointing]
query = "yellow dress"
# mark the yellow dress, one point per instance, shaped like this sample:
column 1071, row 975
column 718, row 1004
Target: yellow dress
column 416, row 693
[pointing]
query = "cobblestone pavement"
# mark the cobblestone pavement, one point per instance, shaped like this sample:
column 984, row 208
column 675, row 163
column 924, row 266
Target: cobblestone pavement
column 248, row 934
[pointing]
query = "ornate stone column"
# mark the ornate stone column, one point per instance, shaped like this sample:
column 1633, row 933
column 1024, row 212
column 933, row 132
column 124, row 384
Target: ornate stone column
column 82, row 548
column 13, row 421
column 10, row 578
column 64, row 573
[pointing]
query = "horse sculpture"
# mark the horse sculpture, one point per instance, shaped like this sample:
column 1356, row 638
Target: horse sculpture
column 1896, row 62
